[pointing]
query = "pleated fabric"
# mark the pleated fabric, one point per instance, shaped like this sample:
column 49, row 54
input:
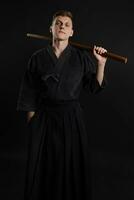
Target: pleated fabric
column 58, row 161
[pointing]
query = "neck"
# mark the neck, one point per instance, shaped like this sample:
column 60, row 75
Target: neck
column 59, row 45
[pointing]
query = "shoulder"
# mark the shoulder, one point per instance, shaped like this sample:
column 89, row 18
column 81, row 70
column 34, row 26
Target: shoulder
column 36, row 58
column 38, row 52
column 76, row 50
column 83, row 54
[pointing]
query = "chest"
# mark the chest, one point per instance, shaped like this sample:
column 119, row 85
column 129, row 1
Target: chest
column 67, row 69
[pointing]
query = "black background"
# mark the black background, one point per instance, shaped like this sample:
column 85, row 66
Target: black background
column 110, row 116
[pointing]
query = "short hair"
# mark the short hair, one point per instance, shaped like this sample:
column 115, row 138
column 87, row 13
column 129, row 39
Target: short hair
column 62, row 13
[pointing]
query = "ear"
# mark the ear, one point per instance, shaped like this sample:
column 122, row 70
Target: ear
column 50, row 29
column 72, row 32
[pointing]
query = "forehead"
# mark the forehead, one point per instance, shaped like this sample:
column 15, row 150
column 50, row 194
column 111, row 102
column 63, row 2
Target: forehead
column 63, row 19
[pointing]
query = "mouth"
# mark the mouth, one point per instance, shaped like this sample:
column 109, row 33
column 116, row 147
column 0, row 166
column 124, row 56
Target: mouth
column 62, row 32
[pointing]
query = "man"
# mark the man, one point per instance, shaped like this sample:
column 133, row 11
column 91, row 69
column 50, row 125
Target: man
column 62, row 30
column 58, row 164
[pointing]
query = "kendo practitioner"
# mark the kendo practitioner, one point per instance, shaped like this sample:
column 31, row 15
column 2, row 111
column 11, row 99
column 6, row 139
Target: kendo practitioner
column 58, row 158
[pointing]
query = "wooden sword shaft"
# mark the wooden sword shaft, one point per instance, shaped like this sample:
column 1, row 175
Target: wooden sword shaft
column 87, row 47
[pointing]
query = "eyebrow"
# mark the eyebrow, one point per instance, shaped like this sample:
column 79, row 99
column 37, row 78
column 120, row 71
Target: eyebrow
column 61, row 21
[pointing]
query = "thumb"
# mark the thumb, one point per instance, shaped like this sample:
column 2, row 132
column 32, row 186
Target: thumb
column 94, row 50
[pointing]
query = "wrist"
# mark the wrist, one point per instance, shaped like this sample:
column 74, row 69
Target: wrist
column 101, row 64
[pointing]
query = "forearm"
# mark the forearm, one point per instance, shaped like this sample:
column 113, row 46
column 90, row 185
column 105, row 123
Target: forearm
column 30, row 114
column 100, row 72
column 98, row 53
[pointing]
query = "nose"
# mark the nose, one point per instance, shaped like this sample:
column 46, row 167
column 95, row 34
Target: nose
column 62, row 25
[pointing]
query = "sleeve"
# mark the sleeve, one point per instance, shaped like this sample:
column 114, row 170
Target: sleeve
column 28, row 92
column 90, row 82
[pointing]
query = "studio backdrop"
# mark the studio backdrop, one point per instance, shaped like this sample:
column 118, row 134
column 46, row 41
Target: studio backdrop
column 109, row 115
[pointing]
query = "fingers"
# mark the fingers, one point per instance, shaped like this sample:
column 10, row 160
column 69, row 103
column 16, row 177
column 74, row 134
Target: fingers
column 99, row 50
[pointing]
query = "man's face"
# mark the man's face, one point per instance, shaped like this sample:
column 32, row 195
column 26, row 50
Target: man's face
column 62, row 28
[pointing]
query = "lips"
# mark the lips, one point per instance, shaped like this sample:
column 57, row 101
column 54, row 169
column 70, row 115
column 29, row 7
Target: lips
column 61, row 32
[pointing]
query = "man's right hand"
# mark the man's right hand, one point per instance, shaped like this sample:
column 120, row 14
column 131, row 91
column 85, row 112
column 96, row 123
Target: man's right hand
column 30, row 114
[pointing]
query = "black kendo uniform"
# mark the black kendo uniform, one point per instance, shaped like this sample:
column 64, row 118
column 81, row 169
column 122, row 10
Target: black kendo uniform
column 58, row 164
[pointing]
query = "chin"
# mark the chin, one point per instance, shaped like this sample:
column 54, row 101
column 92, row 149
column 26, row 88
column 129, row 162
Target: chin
column 61, row 38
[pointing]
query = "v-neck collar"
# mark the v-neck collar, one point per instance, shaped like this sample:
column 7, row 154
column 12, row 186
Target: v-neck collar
column 58, row 63
column 64, row 53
